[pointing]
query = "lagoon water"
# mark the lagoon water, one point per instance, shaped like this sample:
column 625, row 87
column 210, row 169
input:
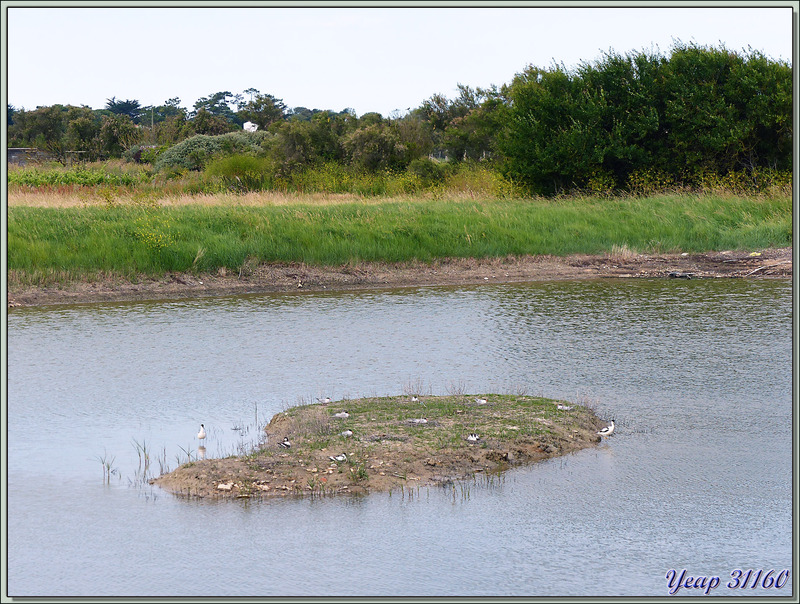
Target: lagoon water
column 698, row 476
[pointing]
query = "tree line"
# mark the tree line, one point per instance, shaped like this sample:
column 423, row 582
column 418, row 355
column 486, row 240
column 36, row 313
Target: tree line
column 606, row 125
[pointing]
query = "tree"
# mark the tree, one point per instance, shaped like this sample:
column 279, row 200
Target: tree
column 117, row 134
column 375, row 147
column 207, row 123
column 473, row 135
column 131, row 108
column 83, row 132
column 263, row 109
column 217, row 104
column 43, row 128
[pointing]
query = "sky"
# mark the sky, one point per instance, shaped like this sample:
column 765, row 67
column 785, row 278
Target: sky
column 369, row 59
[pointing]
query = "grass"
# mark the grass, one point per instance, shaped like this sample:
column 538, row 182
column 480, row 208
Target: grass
column 448, row 419
column 134, row 237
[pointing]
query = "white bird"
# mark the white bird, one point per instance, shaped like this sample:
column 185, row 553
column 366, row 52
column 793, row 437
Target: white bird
column 473, row 438
column 481, row 401
column 285, row 444
column 341, row 415
column 202, row 434
column 414, row 398
column 608, row 430
column 341, row 457
column 565, row 407
column 421, row 420
column 347, row 433
column 325, row 400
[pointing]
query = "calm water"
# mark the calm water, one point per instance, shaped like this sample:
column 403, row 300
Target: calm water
column 698, row 476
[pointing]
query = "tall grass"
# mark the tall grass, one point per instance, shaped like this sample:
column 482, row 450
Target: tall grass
column 52, row 244
column 115, row 173
column 247, row 173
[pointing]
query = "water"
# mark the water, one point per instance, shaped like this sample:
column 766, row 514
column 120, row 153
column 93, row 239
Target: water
column 697, row 477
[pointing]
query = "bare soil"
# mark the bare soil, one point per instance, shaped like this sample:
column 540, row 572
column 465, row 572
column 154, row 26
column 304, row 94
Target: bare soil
column 390, row 455
column 768, row 263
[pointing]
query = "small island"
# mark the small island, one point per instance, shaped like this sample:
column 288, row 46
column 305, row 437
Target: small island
column 380, row 444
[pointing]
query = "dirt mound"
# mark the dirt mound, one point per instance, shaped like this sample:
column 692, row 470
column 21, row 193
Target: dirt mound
column 376, row 449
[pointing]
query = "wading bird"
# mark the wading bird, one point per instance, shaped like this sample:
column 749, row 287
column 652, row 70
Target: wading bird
column 608, row 430
column 202, row 434
column 285, row 444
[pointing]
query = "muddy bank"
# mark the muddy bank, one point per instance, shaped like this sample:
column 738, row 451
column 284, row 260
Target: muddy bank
column 392, row 443
column 769, row 263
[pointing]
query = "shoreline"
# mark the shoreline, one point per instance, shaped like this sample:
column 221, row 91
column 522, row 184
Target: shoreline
column 286, row 277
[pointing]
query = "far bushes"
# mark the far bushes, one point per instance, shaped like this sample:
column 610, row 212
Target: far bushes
column 605, row 126
column 194, row 153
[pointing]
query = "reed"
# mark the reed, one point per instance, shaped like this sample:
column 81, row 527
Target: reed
column 107, row 462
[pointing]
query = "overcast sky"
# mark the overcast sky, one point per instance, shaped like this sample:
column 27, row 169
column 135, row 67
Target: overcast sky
column 370, row 59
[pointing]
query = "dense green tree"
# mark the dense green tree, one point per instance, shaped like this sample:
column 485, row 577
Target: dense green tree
column 472, row 134
column 130, row 108
column 263, row 110
column 117, row 134
column 83, row 132
column 205, row 122
column 699, row 111
column 218, row 104
column 413, row 136
column 375, row 147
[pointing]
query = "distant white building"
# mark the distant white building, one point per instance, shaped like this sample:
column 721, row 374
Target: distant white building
column 250, row 126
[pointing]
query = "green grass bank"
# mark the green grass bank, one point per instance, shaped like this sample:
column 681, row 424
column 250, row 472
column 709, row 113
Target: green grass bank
column 48, row 245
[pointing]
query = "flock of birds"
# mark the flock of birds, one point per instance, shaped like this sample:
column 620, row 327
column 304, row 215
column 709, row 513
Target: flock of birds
column 471, row 438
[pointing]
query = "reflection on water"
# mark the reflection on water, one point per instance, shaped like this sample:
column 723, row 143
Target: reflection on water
column 696, row 373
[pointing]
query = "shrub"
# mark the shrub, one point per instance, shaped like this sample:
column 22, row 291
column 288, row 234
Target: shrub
column 427, row 170
column 241, row 172
column 194, row 153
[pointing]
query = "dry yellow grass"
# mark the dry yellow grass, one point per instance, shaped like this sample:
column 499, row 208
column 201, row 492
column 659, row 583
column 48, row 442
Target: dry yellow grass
column 55, row 199
column 99, row 197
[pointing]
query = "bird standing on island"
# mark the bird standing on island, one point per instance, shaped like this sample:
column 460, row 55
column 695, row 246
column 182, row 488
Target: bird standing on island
column 285, row 444
column 608, row 430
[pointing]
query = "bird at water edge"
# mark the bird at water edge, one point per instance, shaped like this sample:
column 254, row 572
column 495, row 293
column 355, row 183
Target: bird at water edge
column 202, row 434
column 608, row 430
